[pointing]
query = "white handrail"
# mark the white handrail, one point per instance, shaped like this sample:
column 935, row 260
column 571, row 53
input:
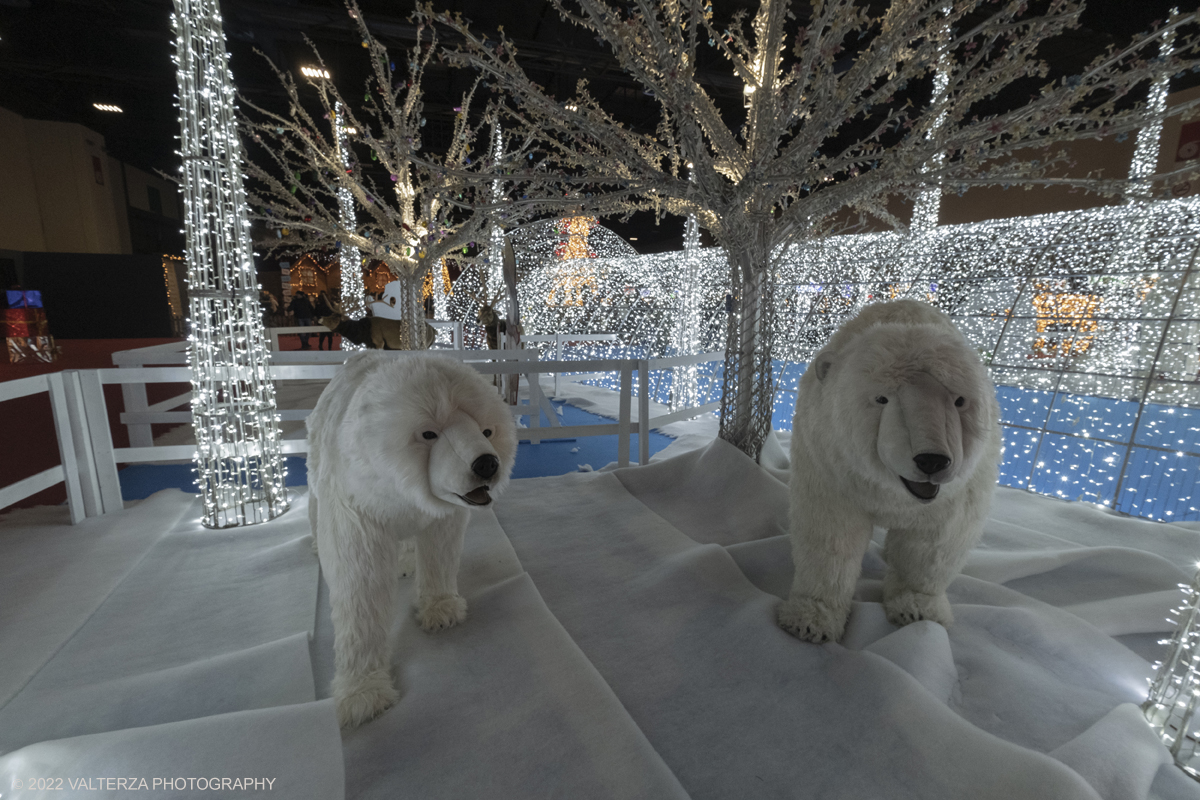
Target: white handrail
column 560, row 339
column 68, row 471
column 89, row 459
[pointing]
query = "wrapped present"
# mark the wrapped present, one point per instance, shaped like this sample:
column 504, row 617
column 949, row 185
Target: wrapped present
column 24, row 322
column 32, row 349
column 23, row 298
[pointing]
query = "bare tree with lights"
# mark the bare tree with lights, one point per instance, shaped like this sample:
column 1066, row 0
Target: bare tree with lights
column 842, row 112
column 361, row 181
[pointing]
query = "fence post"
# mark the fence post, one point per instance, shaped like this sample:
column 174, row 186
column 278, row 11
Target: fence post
column 558, row 356
column 66, row 446
column 535, row 406
column 134, row 395
column 623, row 415
column 81, row 435
column 643, row 367
column 96, row 410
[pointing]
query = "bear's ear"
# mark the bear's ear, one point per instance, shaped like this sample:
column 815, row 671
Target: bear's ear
column 822, row 366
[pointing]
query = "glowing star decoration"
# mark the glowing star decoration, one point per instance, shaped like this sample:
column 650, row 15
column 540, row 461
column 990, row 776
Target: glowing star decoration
column 240, row 471
column 1175, row 689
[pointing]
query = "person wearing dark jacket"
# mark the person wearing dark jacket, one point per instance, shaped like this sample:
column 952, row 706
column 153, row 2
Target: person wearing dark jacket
column 323, row 309
column 302, row 309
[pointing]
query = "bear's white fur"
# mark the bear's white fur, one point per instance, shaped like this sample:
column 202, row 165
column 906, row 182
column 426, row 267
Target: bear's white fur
column 895, row 393
column 400, row 448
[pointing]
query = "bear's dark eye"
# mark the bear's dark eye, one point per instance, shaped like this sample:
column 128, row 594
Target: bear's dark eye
column 487, row 431
column 881, row 400
column 960, row 402
column 429, row 435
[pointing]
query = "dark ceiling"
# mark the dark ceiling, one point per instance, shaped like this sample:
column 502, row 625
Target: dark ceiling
column 57, row 57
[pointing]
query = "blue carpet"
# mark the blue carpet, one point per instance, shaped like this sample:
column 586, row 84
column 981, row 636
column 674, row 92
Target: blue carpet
column 139, row 481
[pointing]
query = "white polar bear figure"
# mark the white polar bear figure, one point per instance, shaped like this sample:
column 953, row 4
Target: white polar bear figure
column 400, row 447
column 897, row 425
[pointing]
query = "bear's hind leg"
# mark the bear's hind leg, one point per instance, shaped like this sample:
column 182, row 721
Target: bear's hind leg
column 827, row 550
column 358, row 559
column 439, row 549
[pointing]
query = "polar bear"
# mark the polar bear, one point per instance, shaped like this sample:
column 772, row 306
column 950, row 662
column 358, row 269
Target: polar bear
column 401, row 446
column 896, row 425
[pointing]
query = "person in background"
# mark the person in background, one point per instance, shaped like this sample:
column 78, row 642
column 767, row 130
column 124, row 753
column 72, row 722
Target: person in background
column 302, row 309
column 324, row 308
column 269, row 306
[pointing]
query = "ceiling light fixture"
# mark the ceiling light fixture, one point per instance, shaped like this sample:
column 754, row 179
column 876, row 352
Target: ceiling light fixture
column 108, row 107
column 314, row 72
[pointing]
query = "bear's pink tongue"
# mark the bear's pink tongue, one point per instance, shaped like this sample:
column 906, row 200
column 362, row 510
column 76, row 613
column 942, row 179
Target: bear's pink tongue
column 480, row 496
column 921, row 491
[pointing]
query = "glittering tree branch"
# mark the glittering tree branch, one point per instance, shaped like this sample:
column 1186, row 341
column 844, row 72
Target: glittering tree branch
column 400, row 190
column 839, row 114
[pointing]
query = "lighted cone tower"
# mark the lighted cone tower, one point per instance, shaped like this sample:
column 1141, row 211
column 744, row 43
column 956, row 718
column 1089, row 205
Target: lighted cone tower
column 1175, row 690
column 239, row 469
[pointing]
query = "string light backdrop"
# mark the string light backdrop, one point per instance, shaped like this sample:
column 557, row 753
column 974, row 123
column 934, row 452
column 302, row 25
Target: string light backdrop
column 1175, row 689
column 239, row 469
column 1089, row 321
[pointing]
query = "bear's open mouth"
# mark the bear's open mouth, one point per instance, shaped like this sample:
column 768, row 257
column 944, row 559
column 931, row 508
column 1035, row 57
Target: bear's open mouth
column 921, row 491
column 478, row 497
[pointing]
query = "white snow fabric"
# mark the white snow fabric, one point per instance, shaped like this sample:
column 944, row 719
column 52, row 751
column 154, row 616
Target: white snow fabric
column 621, row 644
column 194, row 663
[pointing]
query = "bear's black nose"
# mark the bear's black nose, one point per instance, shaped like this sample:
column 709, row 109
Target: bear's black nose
column 930, row 463
column 486, row 465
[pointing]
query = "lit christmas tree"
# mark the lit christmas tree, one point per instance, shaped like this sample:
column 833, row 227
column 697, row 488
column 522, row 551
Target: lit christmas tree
column 842, row 111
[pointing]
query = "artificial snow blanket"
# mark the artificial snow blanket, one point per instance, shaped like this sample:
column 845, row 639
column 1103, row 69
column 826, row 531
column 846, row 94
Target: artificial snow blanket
column 621, row 644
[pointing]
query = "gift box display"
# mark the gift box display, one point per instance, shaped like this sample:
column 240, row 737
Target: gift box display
column 31, row 349
column 24, row 322
column 25, row 329
column 23, row 298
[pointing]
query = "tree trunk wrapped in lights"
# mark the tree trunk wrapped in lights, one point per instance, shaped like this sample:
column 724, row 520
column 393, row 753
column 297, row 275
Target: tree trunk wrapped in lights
column 684, row 389
column 368, row 187
column 353, row 295
column 1175, row 689
column 240, row 470
column 840, row 113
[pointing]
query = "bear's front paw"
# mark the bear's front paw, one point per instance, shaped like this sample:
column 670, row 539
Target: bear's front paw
column 440, row 612
column 906, row 606
column 811, row 620
column 359, row 700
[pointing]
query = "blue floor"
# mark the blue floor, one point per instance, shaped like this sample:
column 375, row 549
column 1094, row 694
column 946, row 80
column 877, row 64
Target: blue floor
column 533, row 460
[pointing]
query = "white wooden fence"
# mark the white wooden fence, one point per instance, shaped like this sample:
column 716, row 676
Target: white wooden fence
column 454, row 326
column 89, row 458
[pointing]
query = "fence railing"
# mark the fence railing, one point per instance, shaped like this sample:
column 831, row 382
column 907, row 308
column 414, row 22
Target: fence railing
column 455, row 327
column 559, row 340
column 90, row 460
column 71, row 403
